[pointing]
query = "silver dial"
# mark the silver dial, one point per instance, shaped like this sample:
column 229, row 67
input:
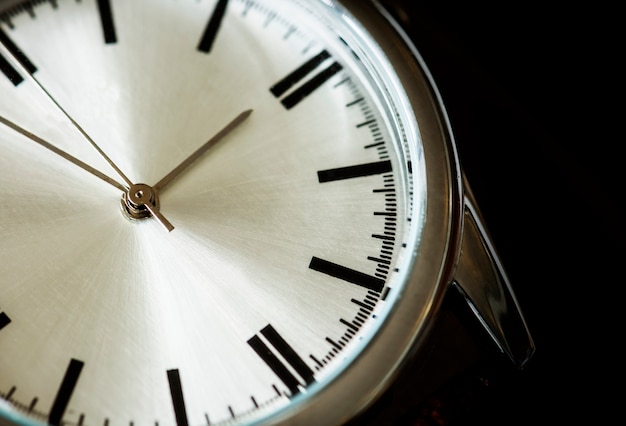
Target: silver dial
column 210, row 210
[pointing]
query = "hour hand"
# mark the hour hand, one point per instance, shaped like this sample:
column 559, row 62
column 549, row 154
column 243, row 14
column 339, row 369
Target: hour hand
column 62, row 153
column 138, row 201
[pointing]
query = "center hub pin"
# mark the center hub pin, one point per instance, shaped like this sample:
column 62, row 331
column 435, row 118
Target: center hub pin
column 136, row 200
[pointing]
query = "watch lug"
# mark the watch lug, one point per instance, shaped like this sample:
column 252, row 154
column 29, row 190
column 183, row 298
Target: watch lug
column 482, row 281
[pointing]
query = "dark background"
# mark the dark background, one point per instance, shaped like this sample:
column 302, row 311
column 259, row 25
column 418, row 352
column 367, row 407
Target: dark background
column 532, row 95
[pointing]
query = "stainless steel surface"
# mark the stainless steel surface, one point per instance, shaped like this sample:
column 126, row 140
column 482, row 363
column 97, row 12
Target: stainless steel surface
column 481, row 278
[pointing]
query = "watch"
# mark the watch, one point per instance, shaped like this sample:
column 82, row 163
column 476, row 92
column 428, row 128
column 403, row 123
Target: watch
column 226, row 212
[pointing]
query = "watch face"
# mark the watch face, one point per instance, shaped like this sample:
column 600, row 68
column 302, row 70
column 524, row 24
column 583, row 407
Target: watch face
column 212, row 212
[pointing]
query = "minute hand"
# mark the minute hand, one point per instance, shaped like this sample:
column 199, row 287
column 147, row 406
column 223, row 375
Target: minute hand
column 208, row 144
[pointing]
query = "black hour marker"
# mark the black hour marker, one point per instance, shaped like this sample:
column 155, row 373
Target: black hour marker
column 17, row 52
column 277, row 366
column 357, row 171
column 10, row 72
column 210, row 32
column 347, row 274
column 65, row 392
column 176, row 390
column 286, row 83
column 288, row 353
column 5, row 66
column 106, row 17
column 4, row 320
column 300, row 74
